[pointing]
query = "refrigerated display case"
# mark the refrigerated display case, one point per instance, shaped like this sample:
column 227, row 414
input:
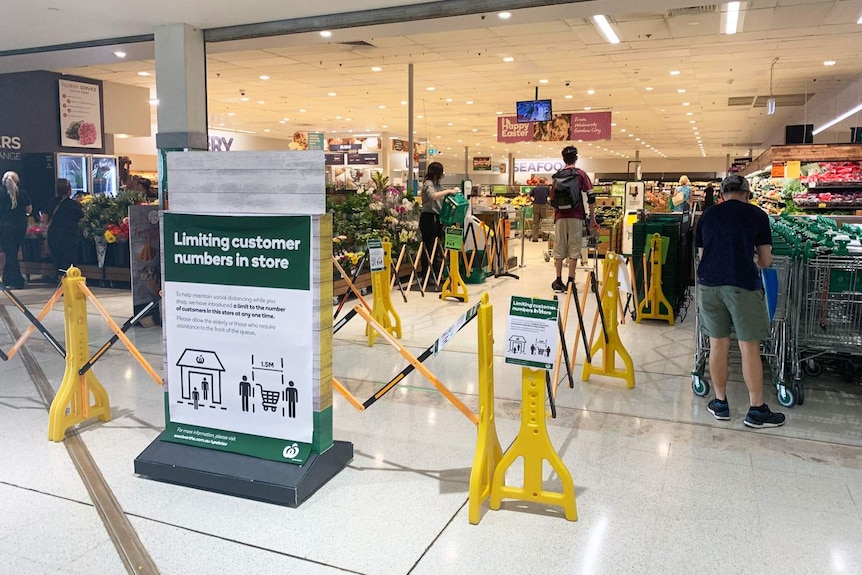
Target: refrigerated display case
column 88, row 173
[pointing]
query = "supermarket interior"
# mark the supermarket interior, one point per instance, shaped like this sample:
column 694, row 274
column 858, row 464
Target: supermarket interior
column 260, row 363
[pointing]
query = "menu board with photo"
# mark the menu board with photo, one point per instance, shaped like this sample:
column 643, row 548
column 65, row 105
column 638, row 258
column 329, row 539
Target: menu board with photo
column 80, row 115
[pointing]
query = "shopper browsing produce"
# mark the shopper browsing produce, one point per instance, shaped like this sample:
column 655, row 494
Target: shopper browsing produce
column 682, row 195
column 734, row 243
column 539, row 198
column 567, row 197
column 432, row 201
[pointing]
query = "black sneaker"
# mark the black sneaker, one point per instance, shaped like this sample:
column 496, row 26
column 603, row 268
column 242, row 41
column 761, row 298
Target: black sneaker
column 558, row 286
column 762, row 417
column 719, row 409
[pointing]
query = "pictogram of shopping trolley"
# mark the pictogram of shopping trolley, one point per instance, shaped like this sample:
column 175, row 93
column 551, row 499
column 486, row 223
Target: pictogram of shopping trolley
column 269, row 398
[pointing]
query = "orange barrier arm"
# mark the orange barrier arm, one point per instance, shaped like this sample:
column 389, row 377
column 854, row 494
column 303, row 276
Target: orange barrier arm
column 350, row 284
column 31, row 328
column 351, row 399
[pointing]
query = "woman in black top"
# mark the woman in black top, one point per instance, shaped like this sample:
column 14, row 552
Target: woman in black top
column 64, row 235
column 15, row 207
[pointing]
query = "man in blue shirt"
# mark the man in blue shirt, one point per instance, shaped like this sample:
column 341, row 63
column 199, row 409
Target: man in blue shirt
column 734, row 243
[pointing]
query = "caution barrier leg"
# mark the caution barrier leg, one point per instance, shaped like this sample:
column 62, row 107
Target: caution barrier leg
column 454, row 285
column 654, row 297
column 534, row 445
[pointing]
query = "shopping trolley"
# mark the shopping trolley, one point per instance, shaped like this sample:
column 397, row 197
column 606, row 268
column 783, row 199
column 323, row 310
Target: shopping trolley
column 269, row 399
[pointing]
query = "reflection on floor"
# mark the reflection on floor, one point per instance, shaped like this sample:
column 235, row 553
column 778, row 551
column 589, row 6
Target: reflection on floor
column 661, row 486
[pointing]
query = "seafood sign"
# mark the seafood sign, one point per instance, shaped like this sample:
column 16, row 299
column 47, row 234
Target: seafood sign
column 80, row 114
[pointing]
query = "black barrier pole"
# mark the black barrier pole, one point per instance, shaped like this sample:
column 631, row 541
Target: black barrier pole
column 115, row 338
column 565, row 350
column 343, row 321
column 429, row 351
column 353, row 280
column 397, row 279
column 581, row 321
column 45, row 333
column 595, row 286
column 3, row 356
column 551, row 399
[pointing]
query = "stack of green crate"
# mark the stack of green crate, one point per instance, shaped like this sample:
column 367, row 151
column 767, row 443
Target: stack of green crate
column 672, row 275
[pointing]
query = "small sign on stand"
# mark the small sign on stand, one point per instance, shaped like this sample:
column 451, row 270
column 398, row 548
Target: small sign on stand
column 532, row 333
column 375, row 254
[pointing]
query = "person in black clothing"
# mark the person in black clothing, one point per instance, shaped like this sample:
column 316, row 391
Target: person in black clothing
column 539, row 197
column 64, row 235
column 429, row 220
column 15, row 207
column 734, row 243
column 708, row 196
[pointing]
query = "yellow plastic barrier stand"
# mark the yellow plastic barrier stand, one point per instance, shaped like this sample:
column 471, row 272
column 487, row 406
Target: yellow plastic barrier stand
column 382, row 310
column 488, row 451
column 654, row 297
column 613, row 346
column 454, row 285
column 534, row 445
column 72, row 404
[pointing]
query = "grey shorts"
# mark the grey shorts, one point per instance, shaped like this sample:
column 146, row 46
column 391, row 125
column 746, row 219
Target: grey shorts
column 719, row 307
column 568, row 237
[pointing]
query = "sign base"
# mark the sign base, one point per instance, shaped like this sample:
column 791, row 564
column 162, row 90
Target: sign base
column 241, row 475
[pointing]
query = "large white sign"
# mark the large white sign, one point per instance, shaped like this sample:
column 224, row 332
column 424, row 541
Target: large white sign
column 532, row 334
column 539, row 166
column 80, row 115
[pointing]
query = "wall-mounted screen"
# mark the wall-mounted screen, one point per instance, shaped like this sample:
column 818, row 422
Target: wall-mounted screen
column 534, row 111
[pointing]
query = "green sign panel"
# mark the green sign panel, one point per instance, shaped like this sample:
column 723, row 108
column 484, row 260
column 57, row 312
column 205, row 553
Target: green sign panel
column 532, row 334
column 454, row 239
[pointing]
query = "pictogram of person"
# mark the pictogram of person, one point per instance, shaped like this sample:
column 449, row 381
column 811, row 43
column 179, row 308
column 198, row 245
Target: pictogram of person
column 245, row 390
column 205, row 385
column 196, row 396
column 291, row 396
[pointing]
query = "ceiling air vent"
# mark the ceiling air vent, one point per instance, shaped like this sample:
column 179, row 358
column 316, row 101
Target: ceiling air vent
column 740, row 101
column 784, row 100
column 693, row 10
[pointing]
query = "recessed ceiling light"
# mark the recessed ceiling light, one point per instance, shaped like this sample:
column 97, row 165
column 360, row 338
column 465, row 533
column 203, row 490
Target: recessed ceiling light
column 499, row 113
column 689, row 113
column 331, row 94
column 686, row 103
column 303, row 110
column 381, row 107
column 674, row 72
column 263, row 77
column 348, row 119
column 231, row 113
column 829, row 63
column 504, row 15
column 475, row 129
column 376, row 69
column 281, row 121
column 420, row 116
column 154, row 102
column 649, row 88
column 568, row 96
column 451, row 124
column 261, row 102
column 244, row 99
column 622, row 129
column 337, row 117
column 591, row 92
column 637, row 139
column 430, row 88
column 631, row 135
column 469, row 102
column 692, row 121
column 508, row 59
column 121, row 136
column 143, row 73
column 681, row 91
column 587, row 108
column 266, row 130
column 120, row 54
column 326, row 33
column 613, row 124
column 403, row 102
column 543, row 81
column 222, row 124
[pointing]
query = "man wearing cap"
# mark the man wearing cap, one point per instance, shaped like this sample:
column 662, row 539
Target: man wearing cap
column 734, row 243
column 569, row 187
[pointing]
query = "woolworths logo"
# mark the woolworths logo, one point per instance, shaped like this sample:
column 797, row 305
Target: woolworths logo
column 290, row 451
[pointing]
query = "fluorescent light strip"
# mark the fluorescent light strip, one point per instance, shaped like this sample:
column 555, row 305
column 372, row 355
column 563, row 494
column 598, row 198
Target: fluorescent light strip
column 605, row 28
column 840, row 118
column 731, row 18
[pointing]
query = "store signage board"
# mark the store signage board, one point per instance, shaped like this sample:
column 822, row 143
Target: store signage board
column 332, row 159
column 454, row 239
column 316, row 141
column 482, row 163
column 80, row 114
column 238, row 333
column 793, row 170
column 344, row 147
column 532, row 332
column 539, row 165
column 777, row 169
column 585, row 126
column 363, row 159
column 375, row 254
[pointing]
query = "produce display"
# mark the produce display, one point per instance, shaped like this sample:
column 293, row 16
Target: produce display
column 832, row 173
column 829, row 186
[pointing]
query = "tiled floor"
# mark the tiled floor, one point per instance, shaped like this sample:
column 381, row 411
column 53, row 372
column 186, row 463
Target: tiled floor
column 661, row 486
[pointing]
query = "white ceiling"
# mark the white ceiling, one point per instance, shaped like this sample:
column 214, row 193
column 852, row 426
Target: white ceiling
column 462, row 58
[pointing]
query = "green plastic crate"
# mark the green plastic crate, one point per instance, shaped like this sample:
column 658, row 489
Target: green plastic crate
column 454, row 210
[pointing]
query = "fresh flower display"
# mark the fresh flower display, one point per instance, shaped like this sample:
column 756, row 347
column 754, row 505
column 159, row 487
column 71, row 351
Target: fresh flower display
column 387, row 211
column 114, row 232
column 106, row 215
column 36, row 231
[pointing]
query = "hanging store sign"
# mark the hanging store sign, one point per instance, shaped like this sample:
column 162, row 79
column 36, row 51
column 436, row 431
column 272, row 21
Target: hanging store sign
column 586, row 126
column 538, row 166
column 80, row 114
column 482, row 163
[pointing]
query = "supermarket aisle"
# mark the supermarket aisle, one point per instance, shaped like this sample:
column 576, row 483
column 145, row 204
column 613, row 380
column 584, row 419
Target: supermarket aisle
column 662, row 487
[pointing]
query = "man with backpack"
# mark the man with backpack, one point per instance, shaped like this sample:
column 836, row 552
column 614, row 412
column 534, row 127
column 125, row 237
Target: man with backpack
column 567, row 197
